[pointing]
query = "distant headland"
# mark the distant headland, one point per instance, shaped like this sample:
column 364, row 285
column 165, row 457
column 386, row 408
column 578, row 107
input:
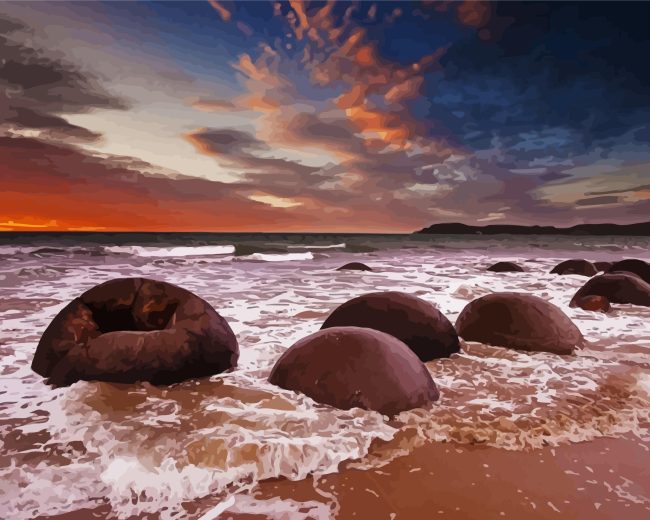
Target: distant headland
column 640, row 229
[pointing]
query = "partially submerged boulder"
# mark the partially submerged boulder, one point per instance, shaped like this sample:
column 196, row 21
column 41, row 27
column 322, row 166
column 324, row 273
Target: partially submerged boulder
column 135, row 329
column 640, row 268
column 350, row 367
column 520, row 321
column 592, row 303
column 410, row 319
column 505, row 267
column 603, row 266
column 354, row 266
column 617, row 288
column 576, row 266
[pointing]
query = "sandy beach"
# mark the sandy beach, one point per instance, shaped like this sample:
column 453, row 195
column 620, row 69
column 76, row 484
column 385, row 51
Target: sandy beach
column 600, row 479
column 514, row 434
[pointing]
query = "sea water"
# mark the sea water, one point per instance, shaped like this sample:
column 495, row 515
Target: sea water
column 138, row 448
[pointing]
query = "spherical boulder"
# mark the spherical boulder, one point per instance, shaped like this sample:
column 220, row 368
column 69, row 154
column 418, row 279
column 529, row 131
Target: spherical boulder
column 506, row 267
column 617, row 288
column 416, row 322
column 592, row 303
column 640, row 268
column 354, row 266
column 581, row 267
column 135, row 329
column 603, row 266
column 520, row 321
column 353, row 367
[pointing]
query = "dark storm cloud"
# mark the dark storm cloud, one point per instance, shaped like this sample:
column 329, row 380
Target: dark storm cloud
column 598, row 201
column 38, row 86
column 74, row 187
column 312, row 128
column 226, row 142
column 557, row 65
column 644, row 187
column 53, row 126
column 554, row 176
column 241, row 150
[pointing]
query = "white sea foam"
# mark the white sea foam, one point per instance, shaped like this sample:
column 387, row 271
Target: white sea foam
column 150, row 449
column 307, row 246
column 280, row 257
column 172, row 251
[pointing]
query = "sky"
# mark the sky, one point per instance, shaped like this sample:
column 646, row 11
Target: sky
column 322, row 116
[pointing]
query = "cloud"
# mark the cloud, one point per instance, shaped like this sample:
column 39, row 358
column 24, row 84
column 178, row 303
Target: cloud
column 214, row 105
column 642, row 189
column 77, row 189
column 51, row 127
column 598, row 201
column 344, row 119
column 474, row 13
column 223, row 12
column 242, row 151
column 38, row 87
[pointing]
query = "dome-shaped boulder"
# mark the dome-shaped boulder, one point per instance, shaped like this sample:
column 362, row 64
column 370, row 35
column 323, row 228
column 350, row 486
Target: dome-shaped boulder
column 354, row 266
column 410, row 319
column 580, row 267
column 603, row 266
column 617, row 288
column 352, row 367
column 520, row 321
column 506, row 267
column 135, row 329
column 640, row 268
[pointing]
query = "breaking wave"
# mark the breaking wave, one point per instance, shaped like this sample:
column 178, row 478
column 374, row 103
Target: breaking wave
column 280, row 257
column 180, row 251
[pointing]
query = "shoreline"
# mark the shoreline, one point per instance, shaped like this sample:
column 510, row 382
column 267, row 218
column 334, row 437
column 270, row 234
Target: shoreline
column 460, row 482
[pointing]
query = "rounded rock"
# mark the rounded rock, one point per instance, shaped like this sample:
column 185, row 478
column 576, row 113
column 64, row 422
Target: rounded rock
column 353, row 367
column 640, row 268
column 617, row 288
column 416, row 322
column 135, row 329
column 354, row 266
column 593, row 303
column 576, row 266
column 603, row 266
column 506, row 267
column 520, row 321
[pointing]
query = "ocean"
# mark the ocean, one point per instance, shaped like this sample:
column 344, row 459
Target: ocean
column 202, row 447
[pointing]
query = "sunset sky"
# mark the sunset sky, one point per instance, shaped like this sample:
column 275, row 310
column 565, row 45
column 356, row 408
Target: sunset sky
column 274, row 116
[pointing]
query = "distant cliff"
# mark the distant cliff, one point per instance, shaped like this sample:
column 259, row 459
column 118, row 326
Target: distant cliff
column 640, row 229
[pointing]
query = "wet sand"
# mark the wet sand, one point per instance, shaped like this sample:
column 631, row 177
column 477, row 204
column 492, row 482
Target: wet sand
column 601, row 479
column 568, row 431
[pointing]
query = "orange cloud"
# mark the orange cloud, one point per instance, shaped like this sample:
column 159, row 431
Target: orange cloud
column 223, row 12
column 213, row 105
column 303, row 23
column 405, row 90
column 473, row 13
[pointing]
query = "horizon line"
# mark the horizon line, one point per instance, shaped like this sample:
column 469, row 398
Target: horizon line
column 304, row 232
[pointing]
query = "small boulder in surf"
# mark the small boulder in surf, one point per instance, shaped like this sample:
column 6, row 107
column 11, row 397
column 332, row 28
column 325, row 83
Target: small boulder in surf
column 520, row 321
column 617, row 287
column 354, row 266
column 416, row 322
column 353, row 367
column 505, row 267
column 580, row 267
column 592, row 303
column 135, row 329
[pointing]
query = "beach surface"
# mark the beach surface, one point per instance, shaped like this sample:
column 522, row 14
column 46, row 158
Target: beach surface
column 514, row 434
